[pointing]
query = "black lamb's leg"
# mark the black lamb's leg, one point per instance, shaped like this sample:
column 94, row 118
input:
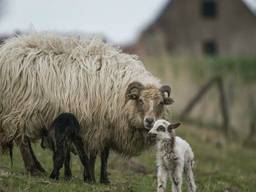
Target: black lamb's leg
column 104, row 164
column 67, row 173
column 88, row 175
column 31, row 164
column 58, row 160
column 92, row 165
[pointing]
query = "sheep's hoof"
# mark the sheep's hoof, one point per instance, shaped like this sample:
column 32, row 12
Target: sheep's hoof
column 36, row 171
column 39, row 167
column 54, row 176
column 104, row 181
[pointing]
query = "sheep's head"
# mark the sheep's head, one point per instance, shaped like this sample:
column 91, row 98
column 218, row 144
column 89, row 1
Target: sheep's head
column 162, row 129
column 145, row 104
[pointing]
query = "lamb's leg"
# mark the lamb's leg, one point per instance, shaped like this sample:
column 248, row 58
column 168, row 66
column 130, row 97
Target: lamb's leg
column 58, row 160
column 190, row 177
column 161, row 179
column 92, row 165
column 88, row 174
column 177, row 178
column 104, row 163
column 31, row 164
column 67, row 173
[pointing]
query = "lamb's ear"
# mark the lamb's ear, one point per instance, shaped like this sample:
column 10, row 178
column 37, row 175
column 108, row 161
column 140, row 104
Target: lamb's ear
column 43, row 145
column 166, row 91
column 44, row 135
column 133, row 90
column 173, row 126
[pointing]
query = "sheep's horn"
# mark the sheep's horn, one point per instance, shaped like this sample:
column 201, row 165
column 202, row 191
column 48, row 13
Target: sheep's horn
column 133, row 90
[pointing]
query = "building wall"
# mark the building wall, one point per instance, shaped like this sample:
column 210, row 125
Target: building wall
column 185, row 28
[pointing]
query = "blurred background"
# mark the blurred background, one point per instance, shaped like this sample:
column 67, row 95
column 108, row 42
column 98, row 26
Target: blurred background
column 204, row 49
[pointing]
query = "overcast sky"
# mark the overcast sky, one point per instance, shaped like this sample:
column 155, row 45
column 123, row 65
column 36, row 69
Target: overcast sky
column 119, row 20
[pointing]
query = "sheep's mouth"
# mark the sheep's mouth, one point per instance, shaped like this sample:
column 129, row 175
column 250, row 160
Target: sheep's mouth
column 148, row 127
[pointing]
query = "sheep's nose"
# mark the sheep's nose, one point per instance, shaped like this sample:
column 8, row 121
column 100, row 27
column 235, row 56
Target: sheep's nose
column 149, row 120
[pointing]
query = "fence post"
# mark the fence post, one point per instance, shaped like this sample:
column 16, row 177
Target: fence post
column 222, row 98
column 223, row 106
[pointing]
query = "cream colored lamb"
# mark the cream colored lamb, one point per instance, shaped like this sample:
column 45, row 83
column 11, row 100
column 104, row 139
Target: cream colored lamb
column 174, row 156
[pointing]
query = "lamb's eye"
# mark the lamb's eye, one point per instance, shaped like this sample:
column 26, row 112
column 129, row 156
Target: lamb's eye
column 161, row 128
column 161, row 103
column 141, row 102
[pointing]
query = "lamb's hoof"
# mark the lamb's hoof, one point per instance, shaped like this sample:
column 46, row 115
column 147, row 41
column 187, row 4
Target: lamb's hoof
column 161, row 190
column 67, row 177
column 89, row 180
column 104, row 181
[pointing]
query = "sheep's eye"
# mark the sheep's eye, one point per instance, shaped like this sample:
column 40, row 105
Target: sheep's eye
column 161, row 103
column 161, row 128
column 141, row 102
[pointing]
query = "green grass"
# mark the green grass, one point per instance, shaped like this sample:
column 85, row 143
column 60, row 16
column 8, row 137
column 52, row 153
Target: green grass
column 240, row 68
column 227, row 168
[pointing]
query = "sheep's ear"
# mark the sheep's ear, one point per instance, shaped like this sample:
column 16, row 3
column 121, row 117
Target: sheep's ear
column 166, row 91
column 173, row 126
column 168, row 101
column 133, row 90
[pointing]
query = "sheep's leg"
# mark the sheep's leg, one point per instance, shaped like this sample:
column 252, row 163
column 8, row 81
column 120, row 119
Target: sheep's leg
column 190, row 177
column 58, row 160
column 161, row 179
column 38, row 165
column 31, row 164
column 88, row 175
column 67, row 173
column 177, row 178
column 104, row 163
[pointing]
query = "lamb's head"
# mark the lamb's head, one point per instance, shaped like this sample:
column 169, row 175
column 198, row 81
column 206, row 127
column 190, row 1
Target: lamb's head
column 46, row 139
column 163, row 129
column 145, row 104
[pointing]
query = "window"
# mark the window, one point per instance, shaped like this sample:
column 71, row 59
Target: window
column 210, row 47
column 209, row 8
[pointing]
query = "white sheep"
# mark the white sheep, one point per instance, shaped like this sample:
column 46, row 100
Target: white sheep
column 115, row 99
column 174, row 155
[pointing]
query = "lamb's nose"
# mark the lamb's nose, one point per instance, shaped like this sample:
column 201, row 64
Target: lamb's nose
column 151, row 137
column 149, row 120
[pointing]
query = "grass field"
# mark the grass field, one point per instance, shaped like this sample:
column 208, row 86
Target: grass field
column 220, row 166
